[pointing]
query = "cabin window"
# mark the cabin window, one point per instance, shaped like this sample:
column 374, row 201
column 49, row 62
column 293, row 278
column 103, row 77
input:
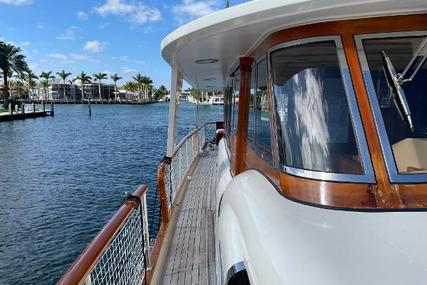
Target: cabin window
column 316, row 122
column 235, row 102
column 395, row 70
column 251, row 117
column 262, row 113
column 228, row 97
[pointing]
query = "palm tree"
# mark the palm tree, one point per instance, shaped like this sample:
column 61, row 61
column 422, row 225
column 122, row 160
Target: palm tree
column 161, row 92
column 131, row 87
column 146, row 83
column 63, row 75
column 46, row 75
column 45, row 85
column 100, row 76
column 83, row 79
column 17, row 87
column 115, row 78
column 30, row 77
column 138, row 80
column 11, row 60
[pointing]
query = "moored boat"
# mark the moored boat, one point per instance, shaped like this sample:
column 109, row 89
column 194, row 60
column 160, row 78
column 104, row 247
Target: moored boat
column 318, row 174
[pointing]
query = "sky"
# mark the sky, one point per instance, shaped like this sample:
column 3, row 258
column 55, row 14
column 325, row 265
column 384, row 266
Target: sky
column 112, row 36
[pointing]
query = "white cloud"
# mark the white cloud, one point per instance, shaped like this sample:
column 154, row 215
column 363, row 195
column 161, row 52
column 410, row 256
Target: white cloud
column 124, row 58
column 94, row 46
column 15, row 2
column 82, row 57
column 69, row 33
column 136, row 13
column 189, row 10
column 82, row 15
column 25, row 44
column 71, row 58
column 58, row 56
column 128, row 70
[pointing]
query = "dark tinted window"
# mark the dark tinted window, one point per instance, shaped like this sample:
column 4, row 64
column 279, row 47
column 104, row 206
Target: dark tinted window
column 235, row 108
column 228, row 96
column 262, row 110
column 251, row 116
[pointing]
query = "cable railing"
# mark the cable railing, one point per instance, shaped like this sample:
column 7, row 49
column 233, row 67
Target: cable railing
column 119, row 254
column 173, row 171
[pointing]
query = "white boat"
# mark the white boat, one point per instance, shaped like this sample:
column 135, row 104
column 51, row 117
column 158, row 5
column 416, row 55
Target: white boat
column 217, row 100
column 321, row 174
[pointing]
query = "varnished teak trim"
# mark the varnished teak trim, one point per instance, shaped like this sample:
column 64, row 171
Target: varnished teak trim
column 351, row 195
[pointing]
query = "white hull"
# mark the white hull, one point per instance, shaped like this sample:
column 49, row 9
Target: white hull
column 285, row 242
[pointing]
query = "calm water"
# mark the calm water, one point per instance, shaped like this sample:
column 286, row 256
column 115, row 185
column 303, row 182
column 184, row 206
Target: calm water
column 61, row 178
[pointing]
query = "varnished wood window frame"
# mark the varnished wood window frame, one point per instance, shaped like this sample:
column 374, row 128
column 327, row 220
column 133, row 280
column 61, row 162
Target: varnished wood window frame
column 340, row 195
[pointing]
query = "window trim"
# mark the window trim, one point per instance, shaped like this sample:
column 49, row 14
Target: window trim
column 368, row 175
column 395, row 176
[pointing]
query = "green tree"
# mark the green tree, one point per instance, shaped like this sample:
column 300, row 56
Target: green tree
column 160, row 92
column 17, row 87
column 194, row 93
column 47, row 76
column 139, row 81
column 63, row 75
column 84, row 78
column 11, row 60
column 131, row 87
column 146, row 84
column 44, row 84
column 100, row 76
column 115, row 78
column 30, row 78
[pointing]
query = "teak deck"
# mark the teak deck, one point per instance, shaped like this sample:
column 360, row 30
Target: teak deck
column 191, row 255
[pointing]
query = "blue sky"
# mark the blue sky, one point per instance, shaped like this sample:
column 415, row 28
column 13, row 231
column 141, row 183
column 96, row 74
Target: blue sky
column 114, row 36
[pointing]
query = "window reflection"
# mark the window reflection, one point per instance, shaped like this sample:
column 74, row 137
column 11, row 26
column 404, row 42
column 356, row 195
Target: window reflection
column 251, row 116
column 316, row 131
column 262, row 110
column 236, row 93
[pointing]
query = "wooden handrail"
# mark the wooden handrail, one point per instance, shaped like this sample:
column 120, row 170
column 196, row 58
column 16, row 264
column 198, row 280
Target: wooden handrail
column 81, row 268
column 161, row 181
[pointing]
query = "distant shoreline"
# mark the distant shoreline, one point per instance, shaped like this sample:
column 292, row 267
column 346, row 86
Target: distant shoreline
column 92, row 101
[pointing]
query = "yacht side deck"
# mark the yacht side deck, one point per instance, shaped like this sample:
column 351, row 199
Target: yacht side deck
column 190, row 254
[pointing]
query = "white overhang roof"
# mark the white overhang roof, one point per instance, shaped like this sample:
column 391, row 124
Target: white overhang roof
column 230, row 33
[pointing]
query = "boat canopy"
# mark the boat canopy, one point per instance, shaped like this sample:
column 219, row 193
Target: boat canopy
column 206, row 50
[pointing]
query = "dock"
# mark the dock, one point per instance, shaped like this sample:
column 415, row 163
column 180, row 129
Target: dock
column 190, row 254
column 4, row 117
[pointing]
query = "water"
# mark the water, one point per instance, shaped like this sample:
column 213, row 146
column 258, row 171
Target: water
column 63, row 177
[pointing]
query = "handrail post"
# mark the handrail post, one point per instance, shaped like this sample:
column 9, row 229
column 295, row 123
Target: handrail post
column 146, row 232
